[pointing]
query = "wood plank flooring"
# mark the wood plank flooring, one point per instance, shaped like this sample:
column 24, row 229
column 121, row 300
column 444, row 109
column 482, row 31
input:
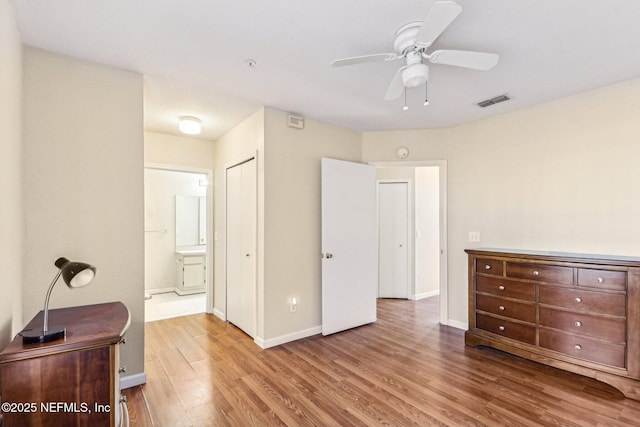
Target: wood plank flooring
column 405, row 369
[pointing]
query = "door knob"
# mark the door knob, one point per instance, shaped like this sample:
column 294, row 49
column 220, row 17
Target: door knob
column 328, row 255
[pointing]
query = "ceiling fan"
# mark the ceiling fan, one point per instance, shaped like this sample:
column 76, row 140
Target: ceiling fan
column 411, row 44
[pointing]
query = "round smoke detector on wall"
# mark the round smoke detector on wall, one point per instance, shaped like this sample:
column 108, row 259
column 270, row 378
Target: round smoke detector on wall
column 402, row 152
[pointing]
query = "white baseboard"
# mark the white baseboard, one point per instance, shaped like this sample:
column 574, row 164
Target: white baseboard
column 425, row 295
column 182, row 293
column 219, row 314
column 283, row 339
column 160, row 290
column 133, row 380
column 456, row 324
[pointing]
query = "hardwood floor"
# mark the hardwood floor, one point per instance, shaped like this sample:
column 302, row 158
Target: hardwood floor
column 405, row 369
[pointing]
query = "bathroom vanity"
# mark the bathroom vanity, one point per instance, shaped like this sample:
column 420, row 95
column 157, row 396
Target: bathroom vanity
column 191, row 269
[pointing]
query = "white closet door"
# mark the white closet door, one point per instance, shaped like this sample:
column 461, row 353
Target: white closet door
column 349, row 245
column 241, row 246
column 393, row 232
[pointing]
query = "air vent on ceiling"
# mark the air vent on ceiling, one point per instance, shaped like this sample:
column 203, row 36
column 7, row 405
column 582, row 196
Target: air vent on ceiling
column 296, row 122
column 492, row 101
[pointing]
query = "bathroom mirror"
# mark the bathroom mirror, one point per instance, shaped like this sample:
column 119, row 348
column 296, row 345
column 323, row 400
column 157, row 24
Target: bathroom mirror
column 191, row 220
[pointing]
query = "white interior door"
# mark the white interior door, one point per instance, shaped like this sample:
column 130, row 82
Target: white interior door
column 349, row 245
column 393, row 232
column 241, row 246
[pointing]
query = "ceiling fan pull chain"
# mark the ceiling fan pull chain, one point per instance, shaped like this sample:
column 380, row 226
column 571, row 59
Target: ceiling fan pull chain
column 426, row 94
column 406, row 107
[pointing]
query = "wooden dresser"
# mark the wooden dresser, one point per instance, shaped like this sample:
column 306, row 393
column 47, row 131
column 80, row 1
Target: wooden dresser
column 576, row 312
column 73, row 381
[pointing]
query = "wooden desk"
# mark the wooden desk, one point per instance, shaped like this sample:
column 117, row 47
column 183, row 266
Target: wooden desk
column 73, row 381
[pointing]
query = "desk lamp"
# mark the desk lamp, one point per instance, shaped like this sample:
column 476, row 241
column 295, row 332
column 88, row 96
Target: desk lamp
column 75, row 275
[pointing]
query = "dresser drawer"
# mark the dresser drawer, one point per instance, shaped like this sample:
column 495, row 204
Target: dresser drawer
column 602, row 279
column 506, row 288
column 585, row 301
column 582, row 347
column 503, row 307
column 490, row 266
column 540, row 272
column 605, row 328
column 505, row 328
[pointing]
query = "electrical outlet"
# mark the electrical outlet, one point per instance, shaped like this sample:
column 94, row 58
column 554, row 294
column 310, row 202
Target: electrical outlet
column 474, row 236
column 293, row 304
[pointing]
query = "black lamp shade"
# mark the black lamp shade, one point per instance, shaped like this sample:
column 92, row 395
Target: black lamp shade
column 75, row 274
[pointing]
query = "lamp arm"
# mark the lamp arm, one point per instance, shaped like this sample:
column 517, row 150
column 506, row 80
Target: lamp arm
column 45, row 328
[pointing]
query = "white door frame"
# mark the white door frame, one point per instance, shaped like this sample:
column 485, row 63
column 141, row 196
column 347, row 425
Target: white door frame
column 410, row 226
column 442, row 168
column 209, row 257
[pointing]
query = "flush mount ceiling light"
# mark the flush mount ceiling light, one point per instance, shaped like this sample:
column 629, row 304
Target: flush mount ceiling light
column 190, row 125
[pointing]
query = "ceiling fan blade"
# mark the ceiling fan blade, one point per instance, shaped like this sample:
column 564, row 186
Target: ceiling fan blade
column 364, row 58
column 439, row 17
column 396, row 86
column 466, row 59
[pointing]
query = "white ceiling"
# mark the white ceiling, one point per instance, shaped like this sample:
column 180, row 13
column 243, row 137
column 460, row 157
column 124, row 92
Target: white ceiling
column 193, row 55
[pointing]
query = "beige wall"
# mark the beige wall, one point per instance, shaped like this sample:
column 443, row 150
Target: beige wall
column 560, row 176
column 292, row 219
column 178, row 150
column 11, row 223
column 83, row 185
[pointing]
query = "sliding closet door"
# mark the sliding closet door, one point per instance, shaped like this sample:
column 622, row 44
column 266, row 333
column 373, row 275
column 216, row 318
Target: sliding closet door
column 241, row 246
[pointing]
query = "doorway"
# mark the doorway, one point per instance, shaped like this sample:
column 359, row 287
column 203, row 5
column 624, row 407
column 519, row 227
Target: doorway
column 432, row 180
column 427, row 243
column 178, row 219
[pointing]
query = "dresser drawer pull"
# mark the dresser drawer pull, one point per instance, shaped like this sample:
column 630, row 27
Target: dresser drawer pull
column 501, row 308
column 578, row 323
column 501, row 328
column 578, row 299
column 487, row 267
column 501, row 288
column 536, row 273
column 578, row 347
column 600, row 280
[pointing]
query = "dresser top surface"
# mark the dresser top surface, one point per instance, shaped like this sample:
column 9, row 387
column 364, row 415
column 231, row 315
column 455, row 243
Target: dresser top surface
column 559, row 256
column 87, row 326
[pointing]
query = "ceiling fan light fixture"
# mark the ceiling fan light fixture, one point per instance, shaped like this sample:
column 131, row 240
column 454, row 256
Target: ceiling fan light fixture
column 190, row 125
column 415, row 75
